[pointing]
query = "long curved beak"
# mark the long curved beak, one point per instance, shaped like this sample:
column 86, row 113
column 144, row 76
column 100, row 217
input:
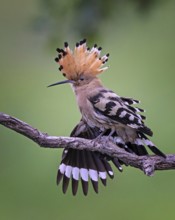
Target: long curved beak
column 59, row 83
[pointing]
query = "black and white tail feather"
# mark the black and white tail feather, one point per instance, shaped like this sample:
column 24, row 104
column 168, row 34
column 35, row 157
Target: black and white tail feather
column 84, row 165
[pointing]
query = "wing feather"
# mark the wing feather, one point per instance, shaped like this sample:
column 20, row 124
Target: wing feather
column 119, row 109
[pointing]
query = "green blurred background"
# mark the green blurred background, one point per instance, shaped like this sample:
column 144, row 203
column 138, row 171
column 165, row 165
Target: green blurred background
column 140, row 37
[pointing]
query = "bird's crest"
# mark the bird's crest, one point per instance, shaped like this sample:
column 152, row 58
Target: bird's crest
column 82, row 60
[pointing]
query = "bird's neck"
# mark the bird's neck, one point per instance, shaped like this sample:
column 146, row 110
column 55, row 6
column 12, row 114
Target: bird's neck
column 84, row 92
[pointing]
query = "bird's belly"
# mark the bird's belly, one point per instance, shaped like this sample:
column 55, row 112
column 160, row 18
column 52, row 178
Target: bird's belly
column 102, row 122
column 92, row 122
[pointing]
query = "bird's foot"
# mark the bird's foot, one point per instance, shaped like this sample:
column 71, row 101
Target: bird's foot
column 103, row 137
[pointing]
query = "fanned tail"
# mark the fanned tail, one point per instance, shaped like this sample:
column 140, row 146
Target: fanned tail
column 84, row 165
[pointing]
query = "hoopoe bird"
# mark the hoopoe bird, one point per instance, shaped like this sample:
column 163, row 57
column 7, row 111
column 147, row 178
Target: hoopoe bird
column 104, row 113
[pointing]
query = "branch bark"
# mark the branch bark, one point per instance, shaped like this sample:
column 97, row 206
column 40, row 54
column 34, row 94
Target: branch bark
column 148, row 164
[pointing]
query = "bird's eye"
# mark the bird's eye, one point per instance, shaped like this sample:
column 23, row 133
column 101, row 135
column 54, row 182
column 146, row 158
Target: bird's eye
column 81, row 78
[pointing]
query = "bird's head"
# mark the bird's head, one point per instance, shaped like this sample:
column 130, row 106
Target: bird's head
column 81, row 65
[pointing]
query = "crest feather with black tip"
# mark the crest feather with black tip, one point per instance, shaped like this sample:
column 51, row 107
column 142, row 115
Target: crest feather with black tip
column 81, row 61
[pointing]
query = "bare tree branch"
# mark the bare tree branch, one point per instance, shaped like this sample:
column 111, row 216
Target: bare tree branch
column 148, row 164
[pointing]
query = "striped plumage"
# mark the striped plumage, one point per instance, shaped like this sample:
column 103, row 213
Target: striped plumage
column 103, row 113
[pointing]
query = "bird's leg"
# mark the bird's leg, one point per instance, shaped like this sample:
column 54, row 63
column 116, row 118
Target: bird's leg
column 111, row 133
column 109, row 136
column 100, row 135
column 106, row 137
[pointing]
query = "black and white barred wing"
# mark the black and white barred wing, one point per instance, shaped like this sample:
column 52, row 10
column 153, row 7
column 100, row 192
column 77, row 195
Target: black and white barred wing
column 115, row 109
column 110, row 107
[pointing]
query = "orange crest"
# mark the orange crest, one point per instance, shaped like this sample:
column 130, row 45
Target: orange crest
column 81, row 61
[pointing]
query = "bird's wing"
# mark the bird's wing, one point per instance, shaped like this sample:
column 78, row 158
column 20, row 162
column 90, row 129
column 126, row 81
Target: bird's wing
column 119, row 109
